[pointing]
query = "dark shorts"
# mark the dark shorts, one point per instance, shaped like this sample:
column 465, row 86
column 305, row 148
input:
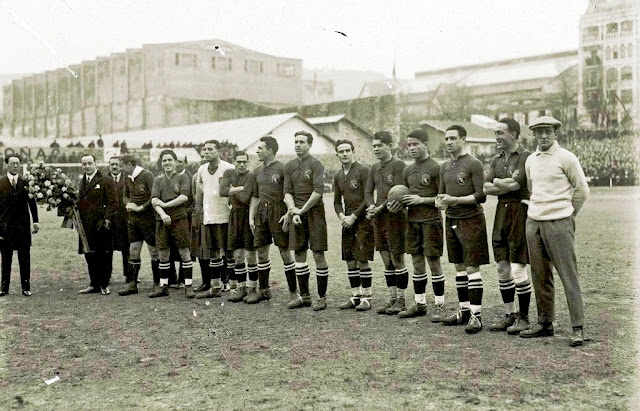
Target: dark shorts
column 508, row 239
column 142, row 229
column 467, row 241
column 240, row 235
column 268, row 227
column 357, row 241
column 425, row 238
column 312, row 233
column 177, row 234
column 389, row 229
column 217, row 236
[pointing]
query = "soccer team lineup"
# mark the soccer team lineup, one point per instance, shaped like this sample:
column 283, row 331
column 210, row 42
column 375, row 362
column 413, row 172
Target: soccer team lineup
column 226, row 218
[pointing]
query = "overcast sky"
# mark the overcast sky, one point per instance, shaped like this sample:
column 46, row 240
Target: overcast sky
column 39, row 35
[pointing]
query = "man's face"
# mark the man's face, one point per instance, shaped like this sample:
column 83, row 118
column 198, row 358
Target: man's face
column 180, row 164
column 453, row 142
column 241, row 163
column 302, row 146
column 168, row 163
column 345, row 154
column 416, row 148
column 210, row 152
column 126, row 168
column 88, row 165
column 13, row 166
column 505, row 138
column 114, row 166
column 545, row 136
column 381, row 150
column 263, row 152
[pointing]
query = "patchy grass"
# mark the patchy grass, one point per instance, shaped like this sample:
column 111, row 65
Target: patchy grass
column 136, row 353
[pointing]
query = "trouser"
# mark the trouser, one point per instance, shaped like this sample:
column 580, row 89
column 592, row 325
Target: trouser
column 551, row 243
column 24, row 262
column 100, row 267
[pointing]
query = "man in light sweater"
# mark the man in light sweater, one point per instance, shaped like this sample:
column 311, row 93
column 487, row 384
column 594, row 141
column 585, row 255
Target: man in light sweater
column 558, row 191
column 215, row 212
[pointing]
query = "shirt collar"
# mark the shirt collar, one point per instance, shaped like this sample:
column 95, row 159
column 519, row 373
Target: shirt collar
column 91, row 175
column 550, row 151
column 12, row 177
column 136, row 172
column 518, row 150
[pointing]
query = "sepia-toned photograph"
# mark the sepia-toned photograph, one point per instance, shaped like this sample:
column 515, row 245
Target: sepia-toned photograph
column 320, row 205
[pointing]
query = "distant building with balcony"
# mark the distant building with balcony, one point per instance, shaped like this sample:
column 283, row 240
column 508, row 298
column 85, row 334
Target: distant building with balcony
column 609, row 64
column 158, row 85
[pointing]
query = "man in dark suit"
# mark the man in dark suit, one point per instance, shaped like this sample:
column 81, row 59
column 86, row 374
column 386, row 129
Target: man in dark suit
column 98, row 208
column 15, row 225
column 119, row 228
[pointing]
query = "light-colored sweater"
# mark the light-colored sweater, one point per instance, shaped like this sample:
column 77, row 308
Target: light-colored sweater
column 215, row 208
column 557, row 184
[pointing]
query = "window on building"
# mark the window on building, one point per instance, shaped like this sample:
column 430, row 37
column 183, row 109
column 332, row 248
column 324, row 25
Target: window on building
column 186, row 60
column 615, row 52
column 591, row 31
column 286, row 69
column 612, row 28
column 220, row 63
column 626, row 96
column 612, row 76
column 626, row 26
column 252, row 66
column 626, row 73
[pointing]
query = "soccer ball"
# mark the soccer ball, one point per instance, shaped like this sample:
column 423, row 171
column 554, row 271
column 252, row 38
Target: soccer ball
column 397, row 192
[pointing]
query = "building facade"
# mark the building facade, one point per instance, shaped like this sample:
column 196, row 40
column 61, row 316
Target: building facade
column 609, row 64
column 158, row 85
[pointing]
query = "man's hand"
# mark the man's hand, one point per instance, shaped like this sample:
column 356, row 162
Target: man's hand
column 156, row 202
column 297, row 220
column 349, row 221
column 107, row 224
column 35, row 227
column 411, row 199
column 394, row 206
column 132, row 207
column 166, row 220
column 371, row 212
column 446, row 200
column 296, row 211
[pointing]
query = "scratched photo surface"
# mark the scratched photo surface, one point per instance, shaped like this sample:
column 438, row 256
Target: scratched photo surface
column 102, row 79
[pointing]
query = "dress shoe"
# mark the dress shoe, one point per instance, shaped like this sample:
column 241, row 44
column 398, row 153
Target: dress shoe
column 105, row 291
column 577, row 338
column 26, row 293
column 538, row 330
column 89, row 290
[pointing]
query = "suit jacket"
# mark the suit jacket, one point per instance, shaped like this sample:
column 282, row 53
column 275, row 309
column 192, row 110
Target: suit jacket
column 15, row 206
column 119, row 229
column 97, row 201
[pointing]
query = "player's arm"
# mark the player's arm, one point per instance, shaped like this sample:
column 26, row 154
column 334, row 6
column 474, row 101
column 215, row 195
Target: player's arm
column 337, row 198
column 245, row 192
column 253, row 210
column 578, row 181
column 183, row 197
column 225, row 183
column 489, row 188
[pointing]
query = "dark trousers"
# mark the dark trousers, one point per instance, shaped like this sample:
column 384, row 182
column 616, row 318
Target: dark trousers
column 551, row 244
column 100, row 266
column 24, row 261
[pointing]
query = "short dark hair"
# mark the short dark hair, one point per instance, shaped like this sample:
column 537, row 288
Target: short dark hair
column 270, row 143
column 128, row 159
column 513, row 125
column 88, row 154
column 308, row 135
column 419, row 134
column 114, row 157
column 462, row 132
column 214, row 142
column 384, row 137
column 240, row 153
column 16, row 155
column 345, row 141
column 165, row 152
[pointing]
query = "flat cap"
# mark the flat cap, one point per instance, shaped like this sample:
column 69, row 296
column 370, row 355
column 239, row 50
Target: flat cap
column 545, row 121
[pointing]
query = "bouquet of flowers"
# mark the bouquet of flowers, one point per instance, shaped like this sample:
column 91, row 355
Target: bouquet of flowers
column 50, row 186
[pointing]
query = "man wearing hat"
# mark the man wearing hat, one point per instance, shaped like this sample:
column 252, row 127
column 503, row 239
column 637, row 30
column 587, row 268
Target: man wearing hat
column 558, row 191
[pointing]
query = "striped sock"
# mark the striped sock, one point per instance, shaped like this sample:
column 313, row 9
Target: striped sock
column 165, row 269
column 524, row 297
column 475, row 292
column 215, row 268
column 354, row 278
column 241, row 274
column 419, row 287
column 302, row 273
column 462, row 286
column 290, row 274
column 366, row 277
column 186, row 269
column 390, row 277
column 437, row 283
column 322, row 278
column 508, row 292
column 263, row 274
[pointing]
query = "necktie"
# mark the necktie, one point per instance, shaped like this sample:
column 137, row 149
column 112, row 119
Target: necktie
column 13, row 182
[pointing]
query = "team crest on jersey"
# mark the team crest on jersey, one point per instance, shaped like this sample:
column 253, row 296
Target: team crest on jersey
column 390, row 179
column 426, row 179
column 307, row 175
column 275, row 179
column 462, row 178
column 354, row 184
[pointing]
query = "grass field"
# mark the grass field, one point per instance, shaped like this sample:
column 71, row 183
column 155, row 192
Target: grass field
column 136, row 353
